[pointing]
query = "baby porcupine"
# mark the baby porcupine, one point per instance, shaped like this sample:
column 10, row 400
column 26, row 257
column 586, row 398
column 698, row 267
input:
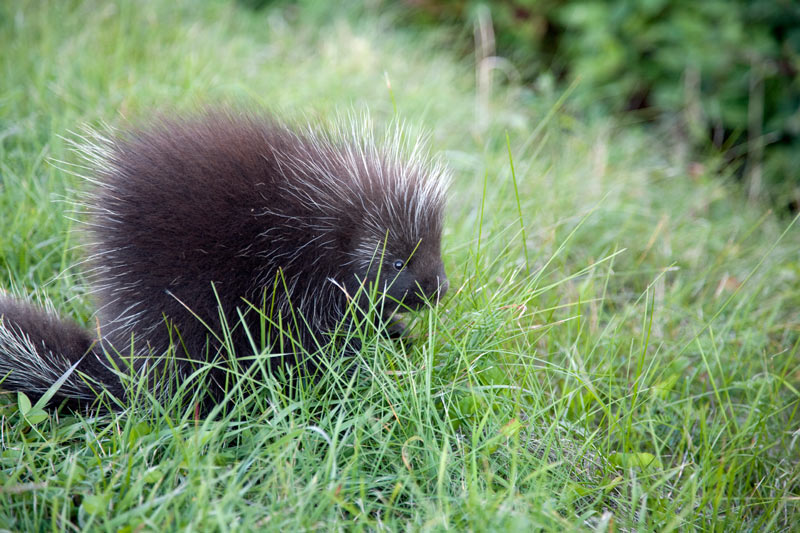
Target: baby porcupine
column 214, row 217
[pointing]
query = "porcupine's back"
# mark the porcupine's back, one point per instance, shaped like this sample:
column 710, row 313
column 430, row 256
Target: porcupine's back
column 191, row 217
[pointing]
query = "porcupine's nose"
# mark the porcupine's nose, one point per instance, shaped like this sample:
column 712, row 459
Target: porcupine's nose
column 443, row 284
column 436, row 287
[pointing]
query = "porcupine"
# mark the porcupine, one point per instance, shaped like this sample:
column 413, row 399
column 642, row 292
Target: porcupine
column 224, row 219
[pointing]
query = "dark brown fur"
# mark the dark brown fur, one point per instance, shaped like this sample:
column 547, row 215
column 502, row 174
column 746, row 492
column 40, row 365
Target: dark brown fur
column 195, row 219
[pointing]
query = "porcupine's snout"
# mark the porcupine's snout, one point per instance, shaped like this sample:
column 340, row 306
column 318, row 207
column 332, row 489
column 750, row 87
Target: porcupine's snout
column 414, row 287
column 429, row 287
column 433, row 288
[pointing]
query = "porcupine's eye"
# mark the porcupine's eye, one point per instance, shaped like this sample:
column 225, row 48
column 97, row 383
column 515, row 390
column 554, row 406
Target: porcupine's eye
column 398, row 265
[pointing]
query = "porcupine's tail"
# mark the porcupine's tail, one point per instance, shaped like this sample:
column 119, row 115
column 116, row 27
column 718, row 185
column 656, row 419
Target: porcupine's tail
column 38, row 348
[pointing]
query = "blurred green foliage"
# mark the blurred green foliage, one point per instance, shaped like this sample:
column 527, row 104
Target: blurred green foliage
column 728, row 68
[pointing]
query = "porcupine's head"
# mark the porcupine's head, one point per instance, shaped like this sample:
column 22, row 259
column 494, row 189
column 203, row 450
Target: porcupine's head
column 382, row 202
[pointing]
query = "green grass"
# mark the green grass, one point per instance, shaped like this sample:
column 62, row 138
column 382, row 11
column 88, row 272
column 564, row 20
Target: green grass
column 619, row 347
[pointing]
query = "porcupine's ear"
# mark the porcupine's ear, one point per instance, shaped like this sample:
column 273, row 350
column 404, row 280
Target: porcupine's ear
column 347, row 239
column 348, row 234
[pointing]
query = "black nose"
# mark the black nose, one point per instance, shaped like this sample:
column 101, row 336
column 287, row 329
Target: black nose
column 444, row 284
column 432, row 289
column 436, row 288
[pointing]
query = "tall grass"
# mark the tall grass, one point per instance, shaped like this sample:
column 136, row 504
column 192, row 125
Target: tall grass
column 618, row 349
